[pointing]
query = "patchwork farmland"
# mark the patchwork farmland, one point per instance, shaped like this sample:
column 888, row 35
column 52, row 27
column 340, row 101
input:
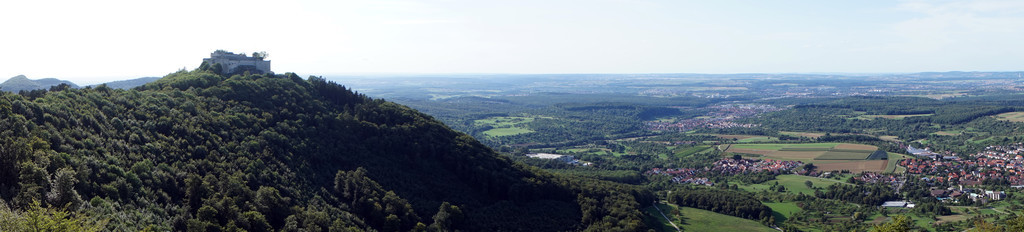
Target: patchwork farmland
column 827, row 156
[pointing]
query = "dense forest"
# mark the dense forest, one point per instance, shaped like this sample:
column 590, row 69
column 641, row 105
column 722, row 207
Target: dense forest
column 562, row 119
column 199, row 151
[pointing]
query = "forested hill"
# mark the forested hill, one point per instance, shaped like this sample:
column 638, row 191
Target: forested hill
column 199, row 151
column 22, row 83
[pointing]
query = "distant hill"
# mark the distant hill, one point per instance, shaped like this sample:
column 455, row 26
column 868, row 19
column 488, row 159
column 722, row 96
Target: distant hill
column 128, row 84
column 20, row 82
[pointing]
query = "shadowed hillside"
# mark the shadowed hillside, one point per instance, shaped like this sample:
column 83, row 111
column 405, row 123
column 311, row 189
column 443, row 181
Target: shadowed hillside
column 200, row 151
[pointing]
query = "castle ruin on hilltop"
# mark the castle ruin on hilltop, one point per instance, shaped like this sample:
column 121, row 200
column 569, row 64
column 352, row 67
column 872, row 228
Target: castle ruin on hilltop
column 232, row 63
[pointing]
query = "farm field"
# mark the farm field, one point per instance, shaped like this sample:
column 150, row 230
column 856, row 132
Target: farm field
column 804, row 134
column 850, row 146
column 827, row 156
column 758, row 139
column 1011, row 116
column 746, row 138
column 894, row 159
column 855, row 166
column 781, row 155
column 845, row 155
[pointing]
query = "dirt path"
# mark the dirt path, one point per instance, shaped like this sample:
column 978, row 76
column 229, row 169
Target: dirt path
column 666, row 218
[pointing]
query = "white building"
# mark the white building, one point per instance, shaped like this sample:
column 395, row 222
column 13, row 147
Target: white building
column 995, row 195
column 231, row 62
column 898, row 204
column 563, row 158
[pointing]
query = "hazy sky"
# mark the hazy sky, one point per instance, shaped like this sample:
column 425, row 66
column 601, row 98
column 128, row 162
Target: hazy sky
column 94, row 41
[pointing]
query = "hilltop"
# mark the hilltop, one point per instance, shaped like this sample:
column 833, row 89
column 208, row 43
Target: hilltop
column 196, row 150
column 20, row 83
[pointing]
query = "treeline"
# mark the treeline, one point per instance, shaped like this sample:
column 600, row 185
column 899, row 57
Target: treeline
column 575, row 125
column 727, row 202
column 866, row 194
column 880, row 105
column 570, row 119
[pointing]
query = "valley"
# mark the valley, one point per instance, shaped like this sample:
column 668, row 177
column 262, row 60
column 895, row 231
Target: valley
column 787, row 150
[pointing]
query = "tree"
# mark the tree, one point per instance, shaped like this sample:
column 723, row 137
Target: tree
column 260, row 55
column 38, row 218
column 899, row 223
column 62, row 189
column 809, row 184
column 269, row 202
column 981, row 225
column 448, row 218
column 809, row 167
column 1015, row 224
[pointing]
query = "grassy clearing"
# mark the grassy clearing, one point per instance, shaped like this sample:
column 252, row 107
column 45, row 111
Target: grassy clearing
column 803, row 134
column 782, row 210
column 695, row 220
column 575, row 150
column 1011, row 116
column 889, row 138
column 778, row 146
column 805, row 149
column 746, row 138
column 758, row 139
column 986, row 139
column 505, row 126
column 656, row 221
column 497, row 132
column 793, row 184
